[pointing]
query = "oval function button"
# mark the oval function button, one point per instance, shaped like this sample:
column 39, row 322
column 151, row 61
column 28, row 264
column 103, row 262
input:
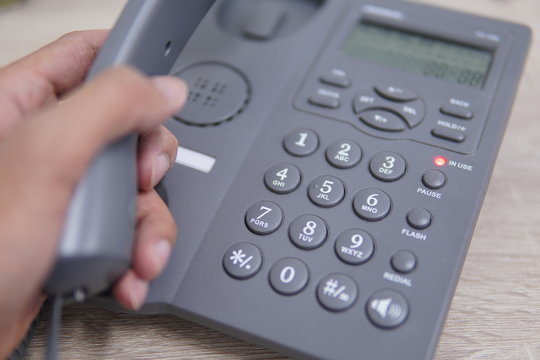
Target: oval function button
column 372, row 204
column 354, row 247
column 301, row 142
column 337, row 292
column 289, row 276
column 396, row 93
column 434, row 179
column 449, row 134
column 282, row 178
column 403, row 262
column 242, row 261
column 367, row 99
column 387, row 309
column 419, row 218
column 382, row 120
column 344, row 154
column 388, row 166
column 326, row 191
column 457, row 111
column 264, row 217
column 308, row 232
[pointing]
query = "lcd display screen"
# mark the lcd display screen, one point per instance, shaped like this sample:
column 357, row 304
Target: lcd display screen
column 421, row 54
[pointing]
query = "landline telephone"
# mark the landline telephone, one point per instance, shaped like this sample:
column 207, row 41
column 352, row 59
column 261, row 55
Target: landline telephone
column 335, row 155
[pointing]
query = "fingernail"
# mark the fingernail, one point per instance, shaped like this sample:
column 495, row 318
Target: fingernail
column 137, row 294
column 162, row 252
column 161, row 165
column 174, row 89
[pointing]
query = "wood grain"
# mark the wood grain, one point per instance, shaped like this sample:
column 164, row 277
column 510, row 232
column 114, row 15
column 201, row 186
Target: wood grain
column 496, row 310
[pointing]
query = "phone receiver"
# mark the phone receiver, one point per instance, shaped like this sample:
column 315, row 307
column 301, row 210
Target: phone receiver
column 97, row 240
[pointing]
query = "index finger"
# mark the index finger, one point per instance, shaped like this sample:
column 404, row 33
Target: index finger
column 28, row 84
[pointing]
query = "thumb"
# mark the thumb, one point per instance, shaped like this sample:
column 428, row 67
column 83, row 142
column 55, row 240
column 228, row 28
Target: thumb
column 61, row 141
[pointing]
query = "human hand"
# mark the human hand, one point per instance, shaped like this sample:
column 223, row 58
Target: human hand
column 45, row 149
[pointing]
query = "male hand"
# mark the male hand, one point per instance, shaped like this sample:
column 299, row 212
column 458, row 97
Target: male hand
column 45, row 149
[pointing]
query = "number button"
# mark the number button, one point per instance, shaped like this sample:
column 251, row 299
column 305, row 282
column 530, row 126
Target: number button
column 289, row 276
column 308, row 232
column 354, row 247
column 344, row 154
column 264, row 217
column 242, row 261
column 372, row 204
column 301, row 142
column 326, row 191
column 387, row 166
column 282, row 178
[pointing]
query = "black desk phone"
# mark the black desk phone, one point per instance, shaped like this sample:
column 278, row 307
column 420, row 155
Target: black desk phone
column 334, row 157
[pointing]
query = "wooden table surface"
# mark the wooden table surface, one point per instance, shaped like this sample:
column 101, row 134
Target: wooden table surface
column 496, row 310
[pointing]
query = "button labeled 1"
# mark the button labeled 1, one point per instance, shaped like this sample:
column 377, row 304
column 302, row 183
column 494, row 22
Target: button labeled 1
column 301, row 142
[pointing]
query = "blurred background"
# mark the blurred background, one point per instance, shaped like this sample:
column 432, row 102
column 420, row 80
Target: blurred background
column 26, row 25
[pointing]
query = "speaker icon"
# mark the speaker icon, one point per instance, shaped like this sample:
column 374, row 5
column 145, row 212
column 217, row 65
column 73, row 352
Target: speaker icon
column 385, row 308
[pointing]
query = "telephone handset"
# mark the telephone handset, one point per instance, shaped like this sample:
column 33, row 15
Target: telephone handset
column 96, row 244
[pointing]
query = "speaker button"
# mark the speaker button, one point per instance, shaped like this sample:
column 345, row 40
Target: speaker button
column 387, row 309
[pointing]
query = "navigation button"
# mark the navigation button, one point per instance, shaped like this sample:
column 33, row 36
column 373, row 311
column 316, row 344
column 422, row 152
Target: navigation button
column 382, row 120
column 396, row 93
column 413, row 113
column 449, row 134
column 367, row 99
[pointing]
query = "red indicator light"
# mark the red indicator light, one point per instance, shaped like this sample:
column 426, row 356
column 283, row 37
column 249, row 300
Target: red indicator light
column 440, row 161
